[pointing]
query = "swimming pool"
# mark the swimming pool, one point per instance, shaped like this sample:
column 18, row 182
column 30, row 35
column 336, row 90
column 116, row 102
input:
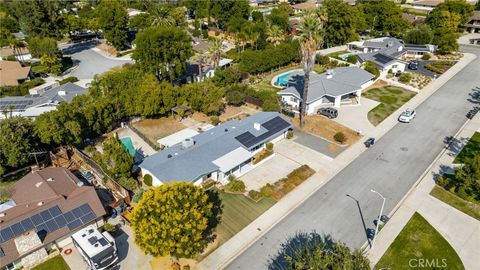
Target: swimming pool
column 127, row 142
column 282, row 80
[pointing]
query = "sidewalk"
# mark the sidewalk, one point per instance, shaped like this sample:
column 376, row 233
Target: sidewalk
column 459, row 229
column 224, row 254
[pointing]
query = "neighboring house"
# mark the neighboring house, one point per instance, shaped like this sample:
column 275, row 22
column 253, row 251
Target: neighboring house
column 386, row 52
column 426, row 4
column 21, row 54
column 473, row 25
column 40, row 100
column 12, row 73
column 45, row 209
column 309, row 5
column 200, row 46
column 414, row 19
column 227, row 149
column 193, row 70
column 333, row 87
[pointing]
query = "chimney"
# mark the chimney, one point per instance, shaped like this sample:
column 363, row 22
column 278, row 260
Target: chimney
column 256, row 126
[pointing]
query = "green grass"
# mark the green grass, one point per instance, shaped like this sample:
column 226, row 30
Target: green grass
column 336, row 55
column 57, row 263
column 390, row 97
column 472, row 147
column 419, row 240
column 238, row 212
column 266, row 82
column 470, row 208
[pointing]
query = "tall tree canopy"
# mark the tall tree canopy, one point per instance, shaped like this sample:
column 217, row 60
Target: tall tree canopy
column 17, row 139
column 343, row 24
column 115, row 158
column 40, row 46
column 163, row 51
column 421, row 34
column 175, row 220
column 39, row 17
column 113, row 20
column 385, row 17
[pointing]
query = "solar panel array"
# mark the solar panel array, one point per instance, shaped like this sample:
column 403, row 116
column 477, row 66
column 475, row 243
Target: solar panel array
column 381, row 58
column 49, row 221
column 272, row 126
column 18, row 104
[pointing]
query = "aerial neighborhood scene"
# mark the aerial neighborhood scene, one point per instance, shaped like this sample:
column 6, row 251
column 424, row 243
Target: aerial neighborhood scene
column 239, row 134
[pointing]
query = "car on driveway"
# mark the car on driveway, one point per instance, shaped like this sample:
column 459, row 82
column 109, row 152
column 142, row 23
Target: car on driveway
column 328, row 112
column 407, row 116
column 413, row 65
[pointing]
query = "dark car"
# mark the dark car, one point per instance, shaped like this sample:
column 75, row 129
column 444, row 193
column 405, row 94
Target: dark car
column 328, row 112
column 369, row 142
column 370, row 233
column 473, row 112
column 413, row 65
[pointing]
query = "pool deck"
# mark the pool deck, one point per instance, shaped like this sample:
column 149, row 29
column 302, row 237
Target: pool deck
column 138, row 143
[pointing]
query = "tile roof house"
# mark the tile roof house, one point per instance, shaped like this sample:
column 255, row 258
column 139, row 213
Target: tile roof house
column 45, row 100
column 46, row 207
column 12, row 73
column 218, row 152
column 386, row 52
column 330, row 88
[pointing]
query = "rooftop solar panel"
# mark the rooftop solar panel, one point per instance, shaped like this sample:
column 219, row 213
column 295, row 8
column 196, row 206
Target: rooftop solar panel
column 52, row 225
column 85, row 209
column 77, row 212
column 74, row 224
column 46, row 215
column 69, row 217
column 27, row 224
column 55, row 211
column 36, row 219
column 42, row 227
column 17, row 229
column 7, row 234
column 61, row 221
column 383, row 59
column 2, row 254
column 87, row 218
column 272, row 126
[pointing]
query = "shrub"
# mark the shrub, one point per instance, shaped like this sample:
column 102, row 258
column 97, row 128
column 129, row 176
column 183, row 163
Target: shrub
column 255, row 195
column 352, row 59
column 289, row 134
column 269, row 146
column 235, row 94
column 109, row 227
column 287, row 184
column 269, row 58
column 147, row 180
column 235, row 186
column 405, row 77
column 11, row 58
column 262, row 155
column 340, row 137
column 128, row 183
column 215, row 120
column 372, row 68
column 426, row 56
column 208, row 184
column 322, row 59
column 267, row 190
column 71, row 79
column 390, row 71
column 138, row 195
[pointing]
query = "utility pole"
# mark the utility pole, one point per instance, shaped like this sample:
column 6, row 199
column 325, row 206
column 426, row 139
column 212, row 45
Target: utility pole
column 379, row 217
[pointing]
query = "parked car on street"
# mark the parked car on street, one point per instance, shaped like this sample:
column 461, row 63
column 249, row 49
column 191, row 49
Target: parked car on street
column 370, row 233
column 369, row 142
column 328, row 112
column 407, row 116
column 473, row 112
column 413, row 65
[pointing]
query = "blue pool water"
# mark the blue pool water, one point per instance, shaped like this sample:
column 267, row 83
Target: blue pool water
column 127, row 142
column 283, row 79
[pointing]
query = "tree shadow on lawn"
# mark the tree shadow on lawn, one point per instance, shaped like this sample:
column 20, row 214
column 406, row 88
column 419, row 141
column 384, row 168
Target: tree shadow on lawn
column 217, row 210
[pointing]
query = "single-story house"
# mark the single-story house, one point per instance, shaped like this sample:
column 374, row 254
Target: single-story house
column 473, row 25
column 45, row 209
column 386, row 52
column 426, row 4
column 330, row 88
column 12, row 73
column 40, row 100
column 227, row 149
column 308, row 5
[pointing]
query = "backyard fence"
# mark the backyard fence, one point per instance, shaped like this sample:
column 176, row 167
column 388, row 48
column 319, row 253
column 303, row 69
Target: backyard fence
column 155, row 146
column 254, row 101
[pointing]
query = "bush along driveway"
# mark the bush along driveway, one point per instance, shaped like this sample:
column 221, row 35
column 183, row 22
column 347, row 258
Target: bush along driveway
column 390, row 97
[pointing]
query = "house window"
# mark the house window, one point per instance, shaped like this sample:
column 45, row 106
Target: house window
column 293, row 99
column 394, row 66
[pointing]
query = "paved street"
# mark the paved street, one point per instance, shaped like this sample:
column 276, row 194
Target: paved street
column 87, row 62
column 391, row 167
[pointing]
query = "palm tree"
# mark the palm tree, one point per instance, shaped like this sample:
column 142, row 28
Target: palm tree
column 161, row 16
column 311, row 38
column 215, row 52
column 275, row 35
column 14, row 43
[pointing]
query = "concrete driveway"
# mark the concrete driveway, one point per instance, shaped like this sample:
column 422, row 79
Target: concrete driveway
column 422, row 69
column 318, row 144
column 87, row 62
column 356, row 117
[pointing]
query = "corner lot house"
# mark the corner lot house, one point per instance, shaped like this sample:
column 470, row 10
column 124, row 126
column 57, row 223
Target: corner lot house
column 386, row 52
column 40, row 100
column 45, row 209
column 12, row 73
column 334, row 87
column 216, row 153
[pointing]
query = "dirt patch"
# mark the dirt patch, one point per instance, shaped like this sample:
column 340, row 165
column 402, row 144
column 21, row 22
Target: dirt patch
column 326, row 128
column 155, row 129
column 230, row 112
column 108, row 49
column 162, row 263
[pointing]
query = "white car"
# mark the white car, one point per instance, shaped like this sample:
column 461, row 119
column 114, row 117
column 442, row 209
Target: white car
column 407, row 116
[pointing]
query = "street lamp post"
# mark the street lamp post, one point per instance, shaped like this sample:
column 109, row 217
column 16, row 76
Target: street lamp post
column 379, row 217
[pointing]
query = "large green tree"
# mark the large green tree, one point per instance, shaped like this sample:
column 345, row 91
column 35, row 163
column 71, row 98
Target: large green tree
column 421, row 34
column 344, row 22
column 39, row 17
column 384, row 16
column 467, row 179
column 113, row 20
column 116, row 159
column 316, row 252
column 175, row 220
column 39, row 46
column 17, row 139
column 163, row 51
column 279, row 18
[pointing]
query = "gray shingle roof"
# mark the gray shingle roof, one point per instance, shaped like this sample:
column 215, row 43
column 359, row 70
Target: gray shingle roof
column 178, row 163
column 344, row 80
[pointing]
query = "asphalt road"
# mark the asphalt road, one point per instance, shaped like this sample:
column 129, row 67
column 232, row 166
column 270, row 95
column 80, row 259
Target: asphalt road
column 391, row 167
column 88, row 63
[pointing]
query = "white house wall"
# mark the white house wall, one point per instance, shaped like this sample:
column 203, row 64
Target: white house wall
column 155, row 180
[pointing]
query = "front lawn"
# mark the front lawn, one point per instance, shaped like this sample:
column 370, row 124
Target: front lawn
column 390, row 97
column 57, row 263
column 472, row 146
column 439, row 67
column 419, row 240
column 470, row 208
